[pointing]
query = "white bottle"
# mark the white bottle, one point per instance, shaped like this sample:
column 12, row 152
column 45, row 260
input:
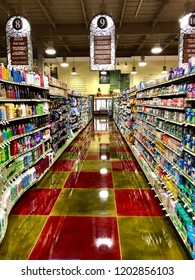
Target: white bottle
column 2, row 221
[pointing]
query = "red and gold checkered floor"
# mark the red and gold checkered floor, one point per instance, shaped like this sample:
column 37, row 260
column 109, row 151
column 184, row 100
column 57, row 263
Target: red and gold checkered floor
column 94, row 204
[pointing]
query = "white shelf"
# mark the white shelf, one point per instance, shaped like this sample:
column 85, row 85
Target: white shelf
column 5, row 122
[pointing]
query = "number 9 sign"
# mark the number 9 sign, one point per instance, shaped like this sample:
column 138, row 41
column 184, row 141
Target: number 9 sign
column 102, row 22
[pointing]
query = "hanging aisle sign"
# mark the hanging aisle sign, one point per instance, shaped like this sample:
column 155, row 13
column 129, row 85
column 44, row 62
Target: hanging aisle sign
column 19, row 45
column 102, row 43
column 187, row 38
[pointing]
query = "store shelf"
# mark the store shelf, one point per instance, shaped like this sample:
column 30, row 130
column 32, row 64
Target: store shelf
column 189, row 151
column 26, row 167
column 167, row 153
column 5, row 122
column 84, row 106
column 185, row 78
column 167, row 146
column 189, row 124
column 3, row 165
column 170, row 134
column 23, row 100
column 18, row 197
column 23, row 84
column 24, row 134
column 168, row 120
column 173, row 94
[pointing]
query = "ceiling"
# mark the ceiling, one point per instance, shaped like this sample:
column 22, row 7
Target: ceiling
column 139, row 24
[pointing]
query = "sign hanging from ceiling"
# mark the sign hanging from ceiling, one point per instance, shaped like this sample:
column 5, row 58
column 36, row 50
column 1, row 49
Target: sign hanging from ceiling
column 187, row 38
column 102, row 43
column 18, row 39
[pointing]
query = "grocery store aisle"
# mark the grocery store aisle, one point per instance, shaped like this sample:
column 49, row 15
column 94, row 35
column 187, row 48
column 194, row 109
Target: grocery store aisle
column 95, row 203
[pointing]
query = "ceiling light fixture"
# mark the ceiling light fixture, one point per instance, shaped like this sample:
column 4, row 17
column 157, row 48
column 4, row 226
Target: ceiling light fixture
column 133, row 71
column 142, row 61
column 50, row 49
column 164, row 70
column 74, row 72
column 156, row 49
column 64, row 62
column 103, row 72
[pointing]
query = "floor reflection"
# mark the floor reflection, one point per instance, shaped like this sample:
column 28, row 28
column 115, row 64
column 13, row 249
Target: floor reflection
column 94, row 203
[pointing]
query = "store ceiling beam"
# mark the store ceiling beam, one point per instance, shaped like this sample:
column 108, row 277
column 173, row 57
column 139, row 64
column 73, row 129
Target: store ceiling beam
column 142, row 42
column 122, row 13
column 84, row 13
column 4, row 7
column 138, row 8
column 127, row 29
column 170, row 40
column 64, row 43
column 159, row 12
column 47, row 13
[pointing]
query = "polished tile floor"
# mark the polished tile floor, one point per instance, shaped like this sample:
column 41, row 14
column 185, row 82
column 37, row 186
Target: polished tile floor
column 94, row 204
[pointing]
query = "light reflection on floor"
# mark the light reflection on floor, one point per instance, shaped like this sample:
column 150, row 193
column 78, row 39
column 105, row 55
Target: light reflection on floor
column 94, row 203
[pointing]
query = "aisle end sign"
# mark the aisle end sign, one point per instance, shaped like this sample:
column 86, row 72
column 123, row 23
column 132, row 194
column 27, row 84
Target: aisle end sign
column 18, row 39
column 102, row 43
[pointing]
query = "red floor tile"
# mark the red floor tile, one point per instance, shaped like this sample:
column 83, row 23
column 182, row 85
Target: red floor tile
column 125, row 165
column 102, row 153
column 78, row 238
column 89, row 180
column 97, row 156
column 116, row 138
column 137, row 203
column 36, row 202
column 93, row 156
column 73, row 149
column 63, row 165
column 123, row 149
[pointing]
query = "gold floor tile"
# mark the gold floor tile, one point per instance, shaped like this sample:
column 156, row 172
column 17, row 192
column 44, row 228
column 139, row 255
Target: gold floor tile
column 21, row 235
column 129, row 180
column 93, row 148
column 149, row 238
column 53, row 180
column 68, row 156
column 85, row 202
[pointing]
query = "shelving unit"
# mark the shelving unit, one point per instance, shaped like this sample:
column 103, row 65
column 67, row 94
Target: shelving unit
column 25, row 150
column 165, row 149
column 35, row 129
column 124, row 113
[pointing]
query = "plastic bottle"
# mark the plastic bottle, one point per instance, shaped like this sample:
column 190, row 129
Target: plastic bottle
column 3, row 113
column 23, row 110
column 19, row 130
column 14, row 148
column 7, row 152
column 9, row 133
column 4, row 134
column 2, row 221
column 14, row 130
column 1, row 137
column 23, row 129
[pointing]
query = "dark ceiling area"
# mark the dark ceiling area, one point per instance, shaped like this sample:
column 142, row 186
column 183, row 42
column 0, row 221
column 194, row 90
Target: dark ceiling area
column 139, row 24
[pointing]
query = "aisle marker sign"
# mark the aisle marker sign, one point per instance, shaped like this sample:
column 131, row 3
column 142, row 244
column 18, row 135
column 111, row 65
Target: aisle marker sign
column 102, row 43
column 187, row 38
column 18, row 39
